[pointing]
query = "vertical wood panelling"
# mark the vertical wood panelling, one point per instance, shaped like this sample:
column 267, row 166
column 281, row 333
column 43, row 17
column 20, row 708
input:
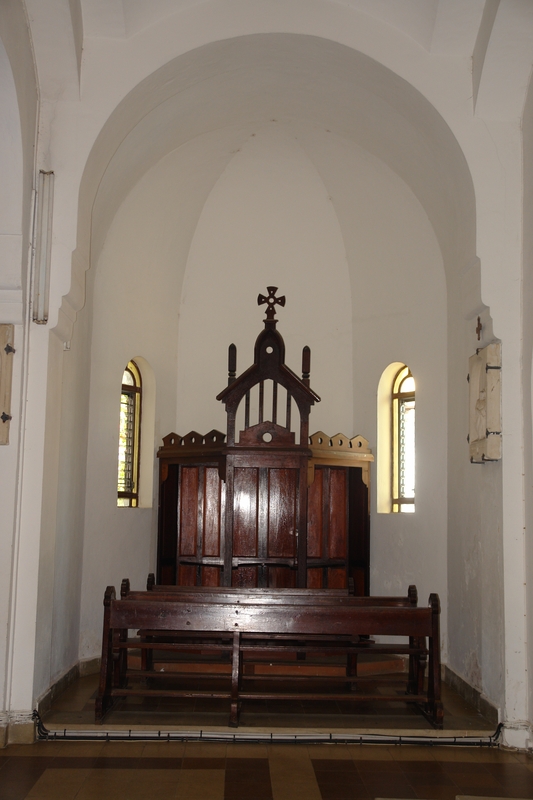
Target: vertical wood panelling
column 245, row 512
column 281, row 578
column 262, row 519
column 244, row 577
column 186, row 575
column 212, row 512
column 338, row 513
column 336, row 578
column 188, row 511
column 266, row 516
column 314, row 578
column 210, row 576
column 282, row 512
column 314, row 515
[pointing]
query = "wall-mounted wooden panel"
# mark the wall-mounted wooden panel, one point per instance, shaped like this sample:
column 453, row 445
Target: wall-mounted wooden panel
column 6, row 369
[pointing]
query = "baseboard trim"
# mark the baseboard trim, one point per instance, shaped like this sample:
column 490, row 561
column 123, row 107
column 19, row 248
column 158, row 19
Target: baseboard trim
column 471, row 695
column 44, row 703
column 89, row 666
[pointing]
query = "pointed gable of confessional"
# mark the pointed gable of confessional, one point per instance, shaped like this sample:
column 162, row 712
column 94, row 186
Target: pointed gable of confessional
column 269, row 365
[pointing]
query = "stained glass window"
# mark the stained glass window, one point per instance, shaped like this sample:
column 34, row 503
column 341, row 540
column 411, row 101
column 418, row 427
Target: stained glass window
column 129, row 437
column 403, row 442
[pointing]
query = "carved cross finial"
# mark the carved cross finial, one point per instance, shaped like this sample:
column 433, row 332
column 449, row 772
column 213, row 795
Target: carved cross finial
column 272, row 301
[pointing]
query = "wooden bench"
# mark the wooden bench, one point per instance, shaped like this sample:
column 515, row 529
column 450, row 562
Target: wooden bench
column 281, row 596
column 240, row 627
column 273, row 595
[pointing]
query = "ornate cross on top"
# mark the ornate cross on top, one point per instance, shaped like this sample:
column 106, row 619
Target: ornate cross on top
column 272, row 301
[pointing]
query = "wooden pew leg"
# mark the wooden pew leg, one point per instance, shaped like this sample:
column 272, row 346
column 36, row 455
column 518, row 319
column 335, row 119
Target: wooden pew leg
column 122, row 661
column 147, row 655
column 412, row 680
column 104, row 701
column 236, row 672
column 435, row 707
column 351, row 670
column 421, row 671
column 417, row 666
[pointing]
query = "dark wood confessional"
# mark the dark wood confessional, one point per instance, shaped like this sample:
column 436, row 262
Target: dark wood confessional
column 266, row 505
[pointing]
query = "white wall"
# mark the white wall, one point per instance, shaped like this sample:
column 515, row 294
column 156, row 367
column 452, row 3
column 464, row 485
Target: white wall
column 18, row 100
column 527, row 323
column 133, row 304
column 269, row 221
column 197, row 79
column 399, row 311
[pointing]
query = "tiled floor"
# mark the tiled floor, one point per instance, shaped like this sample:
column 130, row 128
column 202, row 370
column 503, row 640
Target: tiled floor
column 189, row 770
column 75, row 707
column 208, row 771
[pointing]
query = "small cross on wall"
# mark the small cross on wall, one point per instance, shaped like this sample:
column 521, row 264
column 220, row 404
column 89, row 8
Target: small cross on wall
column 479, row 328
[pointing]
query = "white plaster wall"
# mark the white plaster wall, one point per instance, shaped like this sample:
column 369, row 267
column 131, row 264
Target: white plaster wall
column 269, row 221
column 9, row 482
column 527, row 323
column 399, row 311
column 134, row 295
column 60, row 568
column 10, row 312
column 18, row 100
column 475, row 539
column 113, row 63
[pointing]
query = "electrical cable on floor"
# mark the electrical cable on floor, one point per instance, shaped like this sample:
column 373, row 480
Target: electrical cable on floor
column 492, row 740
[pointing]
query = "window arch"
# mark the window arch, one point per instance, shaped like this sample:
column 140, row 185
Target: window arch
column 396, row 440
column 129, row 443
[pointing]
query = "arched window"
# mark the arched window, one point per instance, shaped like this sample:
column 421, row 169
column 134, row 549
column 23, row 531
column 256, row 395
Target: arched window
column 129, row 437
column 403, row 442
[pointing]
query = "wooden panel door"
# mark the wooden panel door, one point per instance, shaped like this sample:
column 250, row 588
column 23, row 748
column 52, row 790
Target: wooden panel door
column 191, row 526
column 264, row 526
column 337, row 529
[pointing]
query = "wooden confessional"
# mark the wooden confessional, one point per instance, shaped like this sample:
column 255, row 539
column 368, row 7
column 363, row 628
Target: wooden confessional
column 266, row 505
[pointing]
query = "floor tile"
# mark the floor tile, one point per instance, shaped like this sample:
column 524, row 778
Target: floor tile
column 192, row 763
column 163, row 749
column 380, row 767
column 58, row 783
column 408, row 765
column 333, row 752
column 428, row 779
column 292, row 775
column 200, row 784
column 413, row 752
column 126, row 749
column 205, row 750
column 210, row 770
column 436, row 792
